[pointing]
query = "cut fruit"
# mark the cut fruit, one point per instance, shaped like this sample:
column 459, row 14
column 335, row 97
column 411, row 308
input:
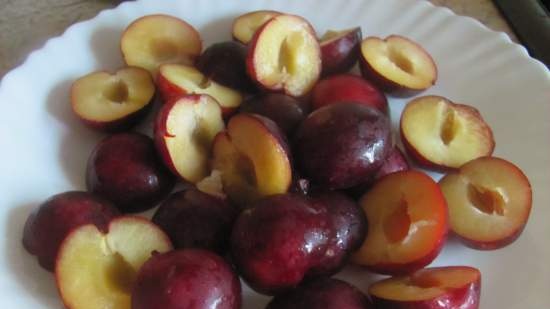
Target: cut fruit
column 437, row 287
column 212, row 185
column 177, row 80
column 246, row 25
column 113, row 102
column 441, row 134
column 253, row 158
column 153, row 40
column 407, row 218
column 397, row 64
column 489, row 202
column 285, row 55
column 53, row 220
column 184, row 131
column 97, row 270
column 340, row 50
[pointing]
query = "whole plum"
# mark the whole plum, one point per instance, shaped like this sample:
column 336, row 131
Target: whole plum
column 340, row 145
column 325, row 293
column 283, row 239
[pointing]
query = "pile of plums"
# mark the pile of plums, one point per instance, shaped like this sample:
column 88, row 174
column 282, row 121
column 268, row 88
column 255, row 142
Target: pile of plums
column 288, row 169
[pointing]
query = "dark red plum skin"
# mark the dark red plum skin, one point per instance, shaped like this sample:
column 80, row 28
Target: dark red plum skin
column 188, row 278
column 348, row 88
column 322, row 294
column 225, row 63
column 340, row 145
column 394, row 162
column 340, row 55
column 286, row 238
column 194, row 219
column 125, row 169
column 284, row 110
column 51, row 222
column 349, row 227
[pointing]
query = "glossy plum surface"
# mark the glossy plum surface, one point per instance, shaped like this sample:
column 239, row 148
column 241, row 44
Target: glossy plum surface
column 394, row 162
column 189, row 278
column 340, row 54
column 125, row 169
column 340, row 145
column 349, row 226
column 286, row 111
column 193, row 219
column 326, row 294
column 348, row 88
column 48, row 225
column 225, row 63
column 285, row 238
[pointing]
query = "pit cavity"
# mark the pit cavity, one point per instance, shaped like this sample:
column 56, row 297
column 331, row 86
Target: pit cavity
column 164, row 49
column 116, row 92
column 398, row 58
column 204, row 83
column 246, row 168
column 486, row 200
column 449, row 126
column 397, row 224
column 425, row 280
column 120, row 274
column 201, row 137
column 287, row 52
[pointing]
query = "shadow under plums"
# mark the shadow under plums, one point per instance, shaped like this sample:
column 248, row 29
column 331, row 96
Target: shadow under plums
column 30, row 276
column 77, row 141
column 218, row 30
column 105, row 45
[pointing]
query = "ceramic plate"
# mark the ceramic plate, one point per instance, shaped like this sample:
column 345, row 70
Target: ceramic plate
column 43, row 147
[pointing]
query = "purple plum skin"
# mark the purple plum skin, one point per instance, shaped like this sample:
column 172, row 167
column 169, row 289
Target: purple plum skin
column 188, row 278
column 394, row 162
column 286, row 238
column 326, row 294
column 194, row 219
column 340, row 145
column 284, row 110
column 51, row 222
column 225, row 63
column 125, row 169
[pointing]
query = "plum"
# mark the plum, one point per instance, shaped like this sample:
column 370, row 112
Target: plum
column 340, row 145
column 51, row 222
column 349, row 226
column 326, row 293
column 188, row 278
column 348, row 88
column 225, row 63
column 394, row 162
column 284, row 110
column 124, row 168
column 194, row 219
column 285, row 238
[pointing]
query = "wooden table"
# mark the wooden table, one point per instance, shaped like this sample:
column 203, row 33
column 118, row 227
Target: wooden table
column 26, row 24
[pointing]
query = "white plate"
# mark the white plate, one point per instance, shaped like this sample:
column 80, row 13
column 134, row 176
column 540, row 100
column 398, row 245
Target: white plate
column 43, row 148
